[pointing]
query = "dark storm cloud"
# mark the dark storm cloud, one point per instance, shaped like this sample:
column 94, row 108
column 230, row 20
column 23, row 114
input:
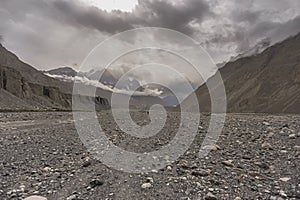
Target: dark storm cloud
column 161, row 13
column 174, row 16
column 48, row 33
column 92, row 17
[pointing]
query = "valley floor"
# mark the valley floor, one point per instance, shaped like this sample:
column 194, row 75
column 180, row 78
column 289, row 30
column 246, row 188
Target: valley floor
column 256, row 157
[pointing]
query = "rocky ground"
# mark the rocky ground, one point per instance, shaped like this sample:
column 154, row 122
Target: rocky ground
column 256, row 157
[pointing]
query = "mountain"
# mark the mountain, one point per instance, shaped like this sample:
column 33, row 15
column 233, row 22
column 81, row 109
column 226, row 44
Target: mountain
column 8, row 59
column 107, row 84
column 268, row 82
column 106, row 77
column 66, row 71
column 22, row 87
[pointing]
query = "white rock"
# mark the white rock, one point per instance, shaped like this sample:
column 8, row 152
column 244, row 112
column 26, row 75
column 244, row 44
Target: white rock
column 228, row 163
column 270, row 134
column 266, row 145
column 47, row 169
column 35, row 198
column 71, row 197
column 213, row 147
column 285, row 179
column 210, row 196
column 269, row 129
column 266, row 123
column 292, row 136
column 281, row 193
column 146, row 185
column 297, row 148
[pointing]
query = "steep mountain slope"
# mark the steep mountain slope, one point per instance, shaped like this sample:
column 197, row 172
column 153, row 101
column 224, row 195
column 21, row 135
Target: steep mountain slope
column 268, row 82
column 25, row 85
column 25, row 88
column 8, row 100
column 29, row 73
column 107, row 86
column 67, row 73
column 19, row 93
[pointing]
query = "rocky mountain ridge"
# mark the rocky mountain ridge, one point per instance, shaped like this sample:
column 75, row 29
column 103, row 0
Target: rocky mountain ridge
column 24, row 88
column 265, row 83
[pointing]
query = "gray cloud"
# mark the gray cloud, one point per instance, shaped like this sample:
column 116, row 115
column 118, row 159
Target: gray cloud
column 174, row 16
column 241, row 24
column 160, row 13
column 49, row 33
column 91, row 17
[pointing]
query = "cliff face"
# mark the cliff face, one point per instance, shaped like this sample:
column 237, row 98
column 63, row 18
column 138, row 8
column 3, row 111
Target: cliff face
column 29, row 73
column 12, row 81
column 38, row 96
column 266, row 83
column 23, row 87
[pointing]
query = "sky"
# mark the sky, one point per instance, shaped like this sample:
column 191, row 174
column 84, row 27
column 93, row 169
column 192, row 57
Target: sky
column 109, row 5
column 52, row 33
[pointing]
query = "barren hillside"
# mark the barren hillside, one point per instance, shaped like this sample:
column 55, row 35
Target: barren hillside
column 265, row 83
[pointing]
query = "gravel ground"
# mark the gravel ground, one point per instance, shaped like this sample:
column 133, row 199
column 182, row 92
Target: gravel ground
column 256, row 157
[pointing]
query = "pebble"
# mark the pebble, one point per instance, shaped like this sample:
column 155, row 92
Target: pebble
column 292, row 136
column 281, row 193
column 72, row 197
column 213, row 147
column 237, row 198
column 285, row 179
column 210, row 196
column 47, row 169
column 228, row 163
column 269, row 129
column 200, row 172
column 146, row 185
column 266, row 123
column 96, row 182
column 149, row 180
column 275, row 198
column 297, row 148
column 87, row 162
column 270, row 134
column 266, row 145
column 35, row 198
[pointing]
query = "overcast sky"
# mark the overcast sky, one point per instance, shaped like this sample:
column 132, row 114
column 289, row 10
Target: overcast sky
column 51, row 33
